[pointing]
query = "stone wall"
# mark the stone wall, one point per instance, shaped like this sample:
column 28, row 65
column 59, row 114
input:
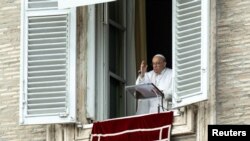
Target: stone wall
column 10, row 130
column 233, row 57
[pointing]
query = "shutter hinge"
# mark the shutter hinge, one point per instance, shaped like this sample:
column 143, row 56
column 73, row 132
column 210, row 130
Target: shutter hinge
column 63, row 115
column 203, row 70
column 178, row 100
column 24, row 102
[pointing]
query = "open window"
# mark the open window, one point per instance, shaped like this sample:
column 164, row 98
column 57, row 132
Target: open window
column 175, row 32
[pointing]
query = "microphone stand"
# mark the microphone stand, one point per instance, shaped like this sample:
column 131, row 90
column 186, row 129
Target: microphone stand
column 161, row 106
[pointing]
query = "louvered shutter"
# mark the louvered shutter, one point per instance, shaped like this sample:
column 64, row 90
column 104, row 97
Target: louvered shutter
column 48, row 63
column 190, row 51
column 74, row 3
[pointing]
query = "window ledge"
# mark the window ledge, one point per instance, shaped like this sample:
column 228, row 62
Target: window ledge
column 185, row 122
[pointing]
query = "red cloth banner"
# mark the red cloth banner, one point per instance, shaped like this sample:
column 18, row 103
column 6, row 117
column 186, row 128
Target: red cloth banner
column 148, row 127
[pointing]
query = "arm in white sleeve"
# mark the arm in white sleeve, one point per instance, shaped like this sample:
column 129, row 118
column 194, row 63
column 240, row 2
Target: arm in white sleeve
column 168, row 92
column 140, row 80
column 144, row 79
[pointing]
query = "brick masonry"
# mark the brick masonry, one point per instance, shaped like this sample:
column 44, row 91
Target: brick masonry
column 9, row 77
column 233, row 61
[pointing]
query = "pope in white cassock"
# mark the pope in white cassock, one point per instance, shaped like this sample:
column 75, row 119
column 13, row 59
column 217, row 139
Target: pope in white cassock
column 161, row 77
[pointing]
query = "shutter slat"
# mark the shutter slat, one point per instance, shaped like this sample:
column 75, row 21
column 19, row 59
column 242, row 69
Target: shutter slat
column 191, row 92
column 46, row 105
column 47, row 35
column 42, row 4
column 39, row 26
column 48, row 40
column 46, row 89
column 182, row 79
column 189, row 86
column 47, row 23
column 34, row 50
column 47, row 83
column 189, row 64
column 47, row 62
column 44, row 95
column 185, row 6
column 47, row 51
column 188, row 21
column 188, row 26
column 47, row 67
column 47, row 45
column 190, row 14
column 46, row 73
column 195, row 73
column 189, row 37
column 47, row 94
column 189, row 42
column 61, row 45
column 186, row 3
column 46, row 111
column 46, row 56
column 187, row 48
column 37, row 101
column 38, row 41
column 182, row 58
column 187, row 31
column 188, row 70
column 47, row 29
column 48, row 18
column 46, row 78
column 189, row 80
column 187, row 52
column 50, row 61
column 188, row 10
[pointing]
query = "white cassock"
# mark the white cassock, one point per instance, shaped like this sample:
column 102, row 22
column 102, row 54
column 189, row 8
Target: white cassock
column 164, row 83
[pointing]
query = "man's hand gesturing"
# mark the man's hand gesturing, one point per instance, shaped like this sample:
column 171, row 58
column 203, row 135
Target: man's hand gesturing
column 143, row 68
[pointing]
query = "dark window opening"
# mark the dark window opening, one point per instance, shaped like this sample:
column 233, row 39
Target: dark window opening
column 159, row 29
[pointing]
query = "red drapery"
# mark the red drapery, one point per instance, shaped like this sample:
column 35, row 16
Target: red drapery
column 149, row 127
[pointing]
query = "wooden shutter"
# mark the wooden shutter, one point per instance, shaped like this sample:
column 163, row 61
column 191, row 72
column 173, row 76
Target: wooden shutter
column 48, row 63
column 75, row 3
column 190, row 51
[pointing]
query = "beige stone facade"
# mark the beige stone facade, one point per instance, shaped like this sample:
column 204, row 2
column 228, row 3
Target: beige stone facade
column 233, row 54
column 10, row 130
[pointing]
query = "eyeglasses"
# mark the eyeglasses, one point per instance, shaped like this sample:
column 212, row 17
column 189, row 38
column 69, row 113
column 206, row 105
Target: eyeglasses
column 156, row 63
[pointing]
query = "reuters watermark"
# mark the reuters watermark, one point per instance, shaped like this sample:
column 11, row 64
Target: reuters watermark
column 241, row 132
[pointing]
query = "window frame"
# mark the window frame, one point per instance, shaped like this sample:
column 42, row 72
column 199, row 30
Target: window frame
column 103, row 74
column 203, row 96
column 75, row 3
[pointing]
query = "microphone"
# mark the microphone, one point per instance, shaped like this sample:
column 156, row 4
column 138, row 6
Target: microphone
column 139, row 71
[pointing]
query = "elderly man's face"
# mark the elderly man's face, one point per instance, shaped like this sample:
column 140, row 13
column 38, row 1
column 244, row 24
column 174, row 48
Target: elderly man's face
column 158, row 64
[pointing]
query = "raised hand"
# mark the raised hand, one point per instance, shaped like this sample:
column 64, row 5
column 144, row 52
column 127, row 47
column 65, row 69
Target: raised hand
column 143, row 68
